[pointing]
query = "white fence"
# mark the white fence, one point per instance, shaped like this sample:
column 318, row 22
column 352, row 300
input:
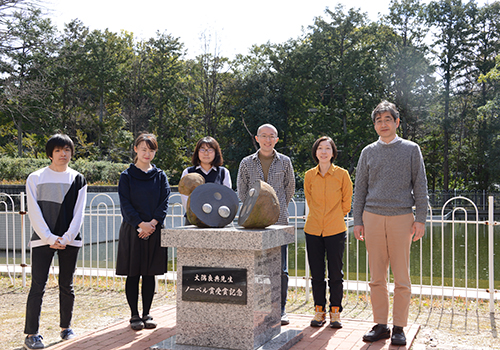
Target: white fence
column 454, row 259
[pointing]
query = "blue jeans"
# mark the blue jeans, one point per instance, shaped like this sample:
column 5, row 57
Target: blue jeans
column 333, row 247
column 284, row 276
column 41, row 259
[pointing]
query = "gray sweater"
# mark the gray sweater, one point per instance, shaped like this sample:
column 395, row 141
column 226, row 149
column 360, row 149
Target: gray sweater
column 390, row 180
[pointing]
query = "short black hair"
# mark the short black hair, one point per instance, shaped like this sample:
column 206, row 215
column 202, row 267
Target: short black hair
column 59, row 141
column 316, row 145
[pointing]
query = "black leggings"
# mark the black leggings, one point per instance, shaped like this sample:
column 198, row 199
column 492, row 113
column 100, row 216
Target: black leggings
column 132, row 293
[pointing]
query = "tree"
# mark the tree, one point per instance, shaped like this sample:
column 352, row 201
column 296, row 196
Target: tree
column 163, row 74
column 8, row 9
column 257, row 98
column 344, row 59
column 451, row 21
column 209, row 77
column 106, row 56
column 24, row 69
column 489, row 119
column 164, row 54
column 486, row 39
column 408, row 74
column 68, row 79
column 486, row 36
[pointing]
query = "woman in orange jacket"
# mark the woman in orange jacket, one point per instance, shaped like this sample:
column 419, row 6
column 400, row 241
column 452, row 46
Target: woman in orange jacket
column 328, row 191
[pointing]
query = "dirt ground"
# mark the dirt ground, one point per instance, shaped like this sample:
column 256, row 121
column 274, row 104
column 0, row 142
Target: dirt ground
column 445, row 325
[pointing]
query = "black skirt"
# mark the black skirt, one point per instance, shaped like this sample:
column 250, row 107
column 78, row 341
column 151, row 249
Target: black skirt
column 139, row 257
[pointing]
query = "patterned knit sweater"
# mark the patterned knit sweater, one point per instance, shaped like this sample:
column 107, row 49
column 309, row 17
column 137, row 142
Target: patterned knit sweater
column 390, row 180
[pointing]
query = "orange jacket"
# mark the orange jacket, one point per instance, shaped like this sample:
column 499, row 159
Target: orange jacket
column 329, row 200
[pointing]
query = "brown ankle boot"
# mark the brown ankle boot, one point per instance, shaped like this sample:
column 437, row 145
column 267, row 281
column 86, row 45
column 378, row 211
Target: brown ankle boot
column 335, row 317
column 319, row 317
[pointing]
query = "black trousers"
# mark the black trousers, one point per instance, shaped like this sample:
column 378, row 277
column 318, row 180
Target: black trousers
column 333, row 248
column 41, row 259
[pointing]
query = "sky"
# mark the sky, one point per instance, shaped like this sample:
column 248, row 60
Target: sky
column 232, row 25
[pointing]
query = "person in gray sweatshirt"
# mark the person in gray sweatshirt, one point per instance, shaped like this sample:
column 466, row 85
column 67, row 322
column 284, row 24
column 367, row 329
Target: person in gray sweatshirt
column 390, row 180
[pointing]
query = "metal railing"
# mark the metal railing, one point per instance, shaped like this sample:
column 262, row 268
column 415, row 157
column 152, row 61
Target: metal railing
column 445, row 264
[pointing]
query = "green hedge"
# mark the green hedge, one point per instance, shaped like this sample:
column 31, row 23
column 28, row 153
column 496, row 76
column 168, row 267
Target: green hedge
column 16, row 170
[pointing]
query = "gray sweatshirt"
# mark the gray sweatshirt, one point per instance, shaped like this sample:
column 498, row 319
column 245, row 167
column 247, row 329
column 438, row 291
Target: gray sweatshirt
column 390, row 180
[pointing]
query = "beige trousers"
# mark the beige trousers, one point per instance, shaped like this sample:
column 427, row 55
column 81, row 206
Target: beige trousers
column 388, row 241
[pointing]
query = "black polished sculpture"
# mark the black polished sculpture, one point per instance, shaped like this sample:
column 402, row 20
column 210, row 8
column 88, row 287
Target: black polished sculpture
column 212, row 205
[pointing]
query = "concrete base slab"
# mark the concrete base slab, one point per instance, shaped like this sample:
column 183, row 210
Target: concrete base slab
column 283, row 341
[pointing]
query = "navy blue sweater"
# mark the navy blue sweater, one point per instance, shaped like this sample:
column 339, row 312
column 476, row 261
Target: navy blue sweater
column 143, row 196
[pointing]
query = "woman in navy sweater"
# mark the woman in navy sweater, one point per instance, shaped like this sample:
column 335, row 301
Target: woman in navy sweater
column 144, row 192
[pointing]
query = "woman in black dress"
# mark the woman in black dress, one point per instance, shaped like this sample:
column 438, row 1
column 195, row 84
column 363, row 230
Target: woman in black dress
column 144, row 192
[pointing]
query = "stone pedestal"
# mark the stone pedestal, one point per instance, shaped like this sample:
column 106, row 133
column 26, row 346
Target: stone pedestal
column 228, row 285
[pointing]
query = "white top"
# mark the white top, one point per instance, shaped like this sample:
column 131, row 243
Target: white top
column 50, row 193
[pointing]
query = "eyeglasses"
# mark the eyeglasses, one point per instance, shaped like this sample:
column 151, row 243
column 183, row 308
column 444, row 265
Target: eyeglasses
column 268, row 137
column 384, row 120
column 206, row 150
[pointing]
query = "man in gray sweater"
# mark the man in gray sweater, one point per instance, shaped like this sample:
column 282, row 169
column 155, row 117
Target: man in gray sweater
column 390, row 180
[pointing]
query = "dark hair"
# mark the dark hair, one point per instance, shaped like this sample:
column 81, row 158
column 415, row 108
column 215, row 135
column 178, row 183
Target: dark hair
column 212, row 143
column 59, row 141
column 383, row 107
column 150, row 140
column 316, row 145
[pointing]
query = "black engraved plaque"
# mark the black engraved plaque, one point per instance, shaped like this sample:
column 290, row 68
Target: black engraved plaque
column 214, row 284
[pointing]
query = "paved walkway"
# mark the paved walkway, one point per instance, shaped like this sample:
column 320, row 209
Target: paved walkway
column 120, row 336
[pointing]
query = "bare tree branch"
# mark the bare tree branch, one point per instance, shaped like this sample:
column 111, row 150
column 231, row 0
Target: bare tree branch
column 250, row 133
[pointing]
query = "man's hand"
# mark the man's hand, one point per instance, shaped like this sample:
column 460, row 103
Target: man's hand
column 57, row 245
column 359, row 232
column 417, row 231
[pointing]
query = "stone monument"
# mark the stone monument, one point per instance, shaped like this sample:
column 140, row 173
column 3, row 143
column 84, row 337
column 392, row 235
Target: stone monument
column 228, row 288
column 229, row 278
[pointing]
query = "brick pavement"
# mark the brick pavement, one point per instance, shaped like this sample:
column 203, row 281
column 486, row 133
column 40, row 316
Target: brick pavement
column 120, row 336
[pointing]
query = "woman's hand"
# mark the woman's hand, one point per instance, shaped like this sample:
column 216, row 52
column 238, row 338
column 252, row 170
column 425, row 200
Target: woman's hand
column 147, row 229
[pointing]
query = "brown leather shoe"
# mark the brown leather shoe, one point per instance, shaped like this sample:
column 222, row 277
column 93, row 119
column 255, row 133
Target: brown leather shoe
column 378, row 332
